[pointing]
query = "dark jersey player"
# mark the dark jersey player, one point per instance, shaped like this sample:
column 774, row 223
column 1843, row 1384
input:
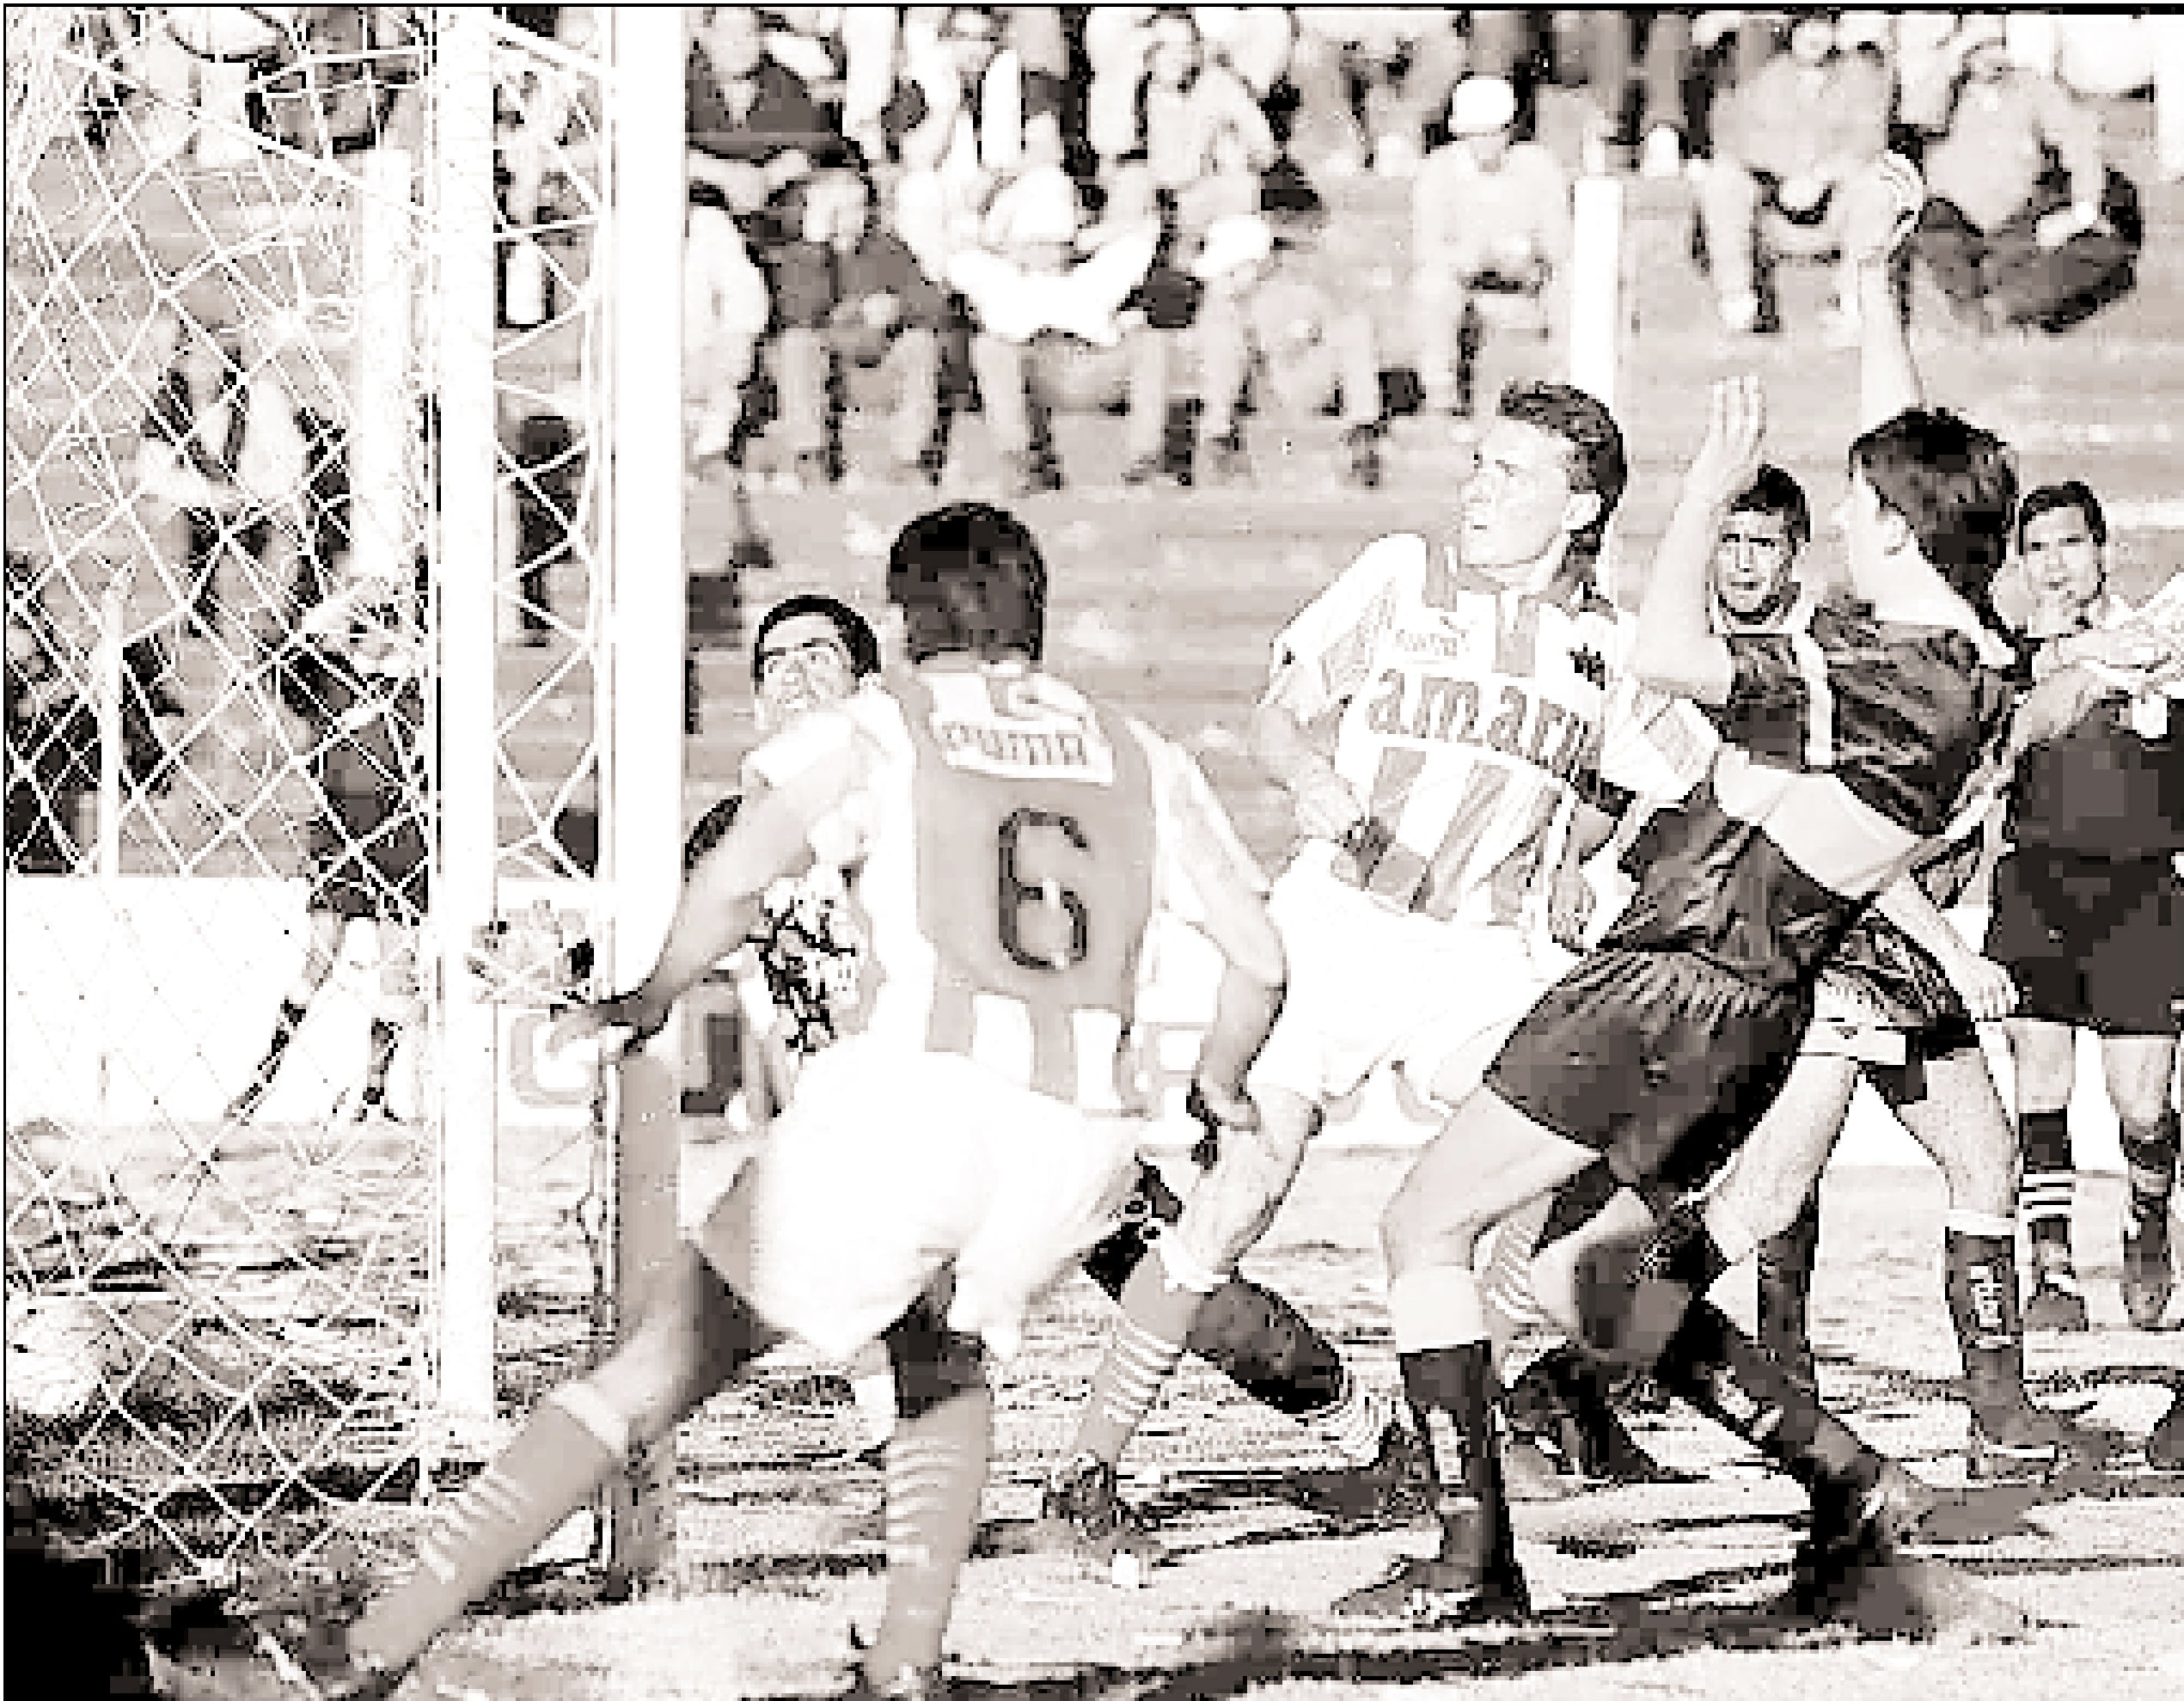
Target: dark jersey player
column 2089, row 903
column 1646, row 1066
column 354, row 675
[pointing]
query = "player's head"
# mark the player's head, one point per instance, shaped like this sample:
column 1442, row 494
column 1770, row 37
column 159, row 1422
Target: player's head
column 1929, row 488
column 810, row 653
column 1551, row 470
column 2063, row 541
column 1755, row 557
column 970, row 580
column 1813, row 35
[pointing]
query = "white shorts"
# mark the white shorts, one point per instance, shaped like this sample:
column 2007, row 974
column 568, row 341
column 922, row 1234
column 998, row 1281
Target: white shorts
column 1370, row 985
column 894, row 1165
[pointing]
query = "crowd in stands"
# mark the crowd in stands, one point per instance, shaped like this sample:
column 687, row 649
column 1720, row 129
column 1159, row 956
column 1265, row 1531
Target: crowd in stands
column 1013, row 208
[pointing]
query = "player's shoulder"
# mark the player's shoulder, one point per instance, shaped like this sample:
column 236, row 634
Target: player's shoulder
column 853, row 734
column 1397, row 555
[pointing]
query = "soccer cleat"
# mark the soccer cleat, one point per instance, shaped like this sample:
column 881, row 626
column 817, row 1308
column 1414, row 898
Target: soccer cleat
column 2029, row 1445
column 2146, row 1276
column 1850, row 1570
column 1396, row 1488
column 1081, row 1513
column 1442, row 1594
column 2057, row 1310
column 1560, row 1408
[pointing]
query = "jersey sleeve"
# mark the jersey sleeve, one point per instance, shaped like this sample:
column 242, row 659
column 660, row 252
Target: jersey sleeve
column 1325, row 653
column 1197, row 855
column 823, row 764
column 1654, row 746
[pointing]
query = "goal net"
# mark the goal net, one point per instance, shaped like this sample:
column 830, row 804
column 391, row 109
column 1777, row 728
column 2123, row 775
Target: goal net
column 252, row 698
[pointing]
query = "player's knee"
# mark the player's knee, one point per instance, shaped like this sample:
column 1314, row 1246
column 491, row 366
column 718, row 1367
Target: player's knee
column 647, row 1381
column 1235, row 1202
column 1418, row 1230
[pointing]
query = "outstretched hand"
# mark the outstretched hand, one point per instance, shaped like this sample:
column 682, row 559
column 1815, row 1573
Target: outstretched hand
column 614, row 1026
column 1736, row 423
column 1882, row 204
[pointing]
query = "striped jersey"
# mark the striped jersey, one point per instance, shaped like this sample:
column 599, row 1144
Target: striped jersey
column 1848, row 745
column 1471, row 716
column 1006, row 842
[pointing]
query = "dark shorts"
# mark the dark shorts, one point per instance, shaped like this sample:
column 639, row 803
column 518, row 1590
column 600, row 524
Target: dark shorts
column 2095, row 943
column 369, row 858
column 1659, row 1061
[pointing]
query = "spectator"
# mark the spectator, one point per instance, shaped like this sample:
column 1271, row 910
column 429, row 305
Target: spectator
column 972, row 119
column 756, row 133
column 1037, row 308
column 1368, row 79
column 542, row 132
column 1272, row 292
column 725, row 311
column 2024, row 223
column 1490, row 237
column 1783, row 141
column 224, row 443
column 851, row 294
column 1182, row 117
column 1609, row 42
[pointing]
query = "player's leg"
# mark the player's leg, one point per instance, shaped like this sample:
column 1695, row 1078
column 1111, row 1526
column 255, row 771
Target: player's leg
column 696, row 1334
column 2138, row 1067
column 1166, row 1296
column 323, row 927
column 937, row 1462
column 1787, row 1262
column 1487, row 1162
column 2046, row 1053
column 397, row 1008
column 1948, row 1104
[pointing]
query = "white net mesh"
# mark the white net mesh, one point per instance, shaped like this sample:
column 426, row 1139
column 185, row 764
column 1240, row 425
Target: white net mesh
column 221, row 1005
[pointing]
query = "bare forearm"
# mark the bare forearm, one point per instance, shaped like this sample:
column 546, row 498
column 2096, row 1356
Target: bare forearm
column 1888, row 382
column 1906, row 906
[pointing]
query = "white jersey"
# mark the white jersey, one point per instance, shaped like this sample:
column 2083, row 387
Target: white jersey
column 1472, row 718
column 1010, row 841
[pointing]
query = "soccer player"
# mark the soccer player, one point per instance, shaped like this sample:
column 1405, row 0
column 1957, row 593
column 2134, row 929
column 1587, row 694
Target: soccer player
column 1647, row 1064
column 1008, row 842
column 1469, row 682
column 355, row 675
column 1897, row 1004
column 2088, row 903
column 811, row 652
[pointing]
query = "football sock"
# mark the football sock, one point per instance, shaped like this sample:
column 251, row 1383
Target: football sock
column 936, row 1472
column 2044, row 1196
column 1250, row 1334
column 1981, row 1278
column 1448, row 1378
column 1786, row 1262
column 1159, row 1313
column 1353, row 1423
column 384, row 1037
column 573, row 1443
column 1727, row 1375
column 2150, row 1153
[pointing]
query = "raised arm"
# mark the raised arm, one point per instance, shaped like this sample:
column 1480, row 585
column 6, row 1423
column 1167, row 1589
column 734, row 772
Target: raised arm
column 1882, row 203
column 1677, row 649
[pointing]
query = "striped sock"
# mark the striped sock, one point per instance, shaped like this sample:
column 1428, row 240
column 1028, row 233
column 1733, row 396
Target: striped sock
column 1158, row 1313
column 1353, row 1426
column 936, row 1472
column 573, row 1441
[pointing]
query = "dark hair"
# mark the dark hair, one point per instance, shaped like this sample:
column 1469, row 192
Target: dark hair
column 2071, row 493
column 1955, row 487
column 856, row 630
column 1593, row 445
column 713, row 827
column 1772, row 490
column 968, row 577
